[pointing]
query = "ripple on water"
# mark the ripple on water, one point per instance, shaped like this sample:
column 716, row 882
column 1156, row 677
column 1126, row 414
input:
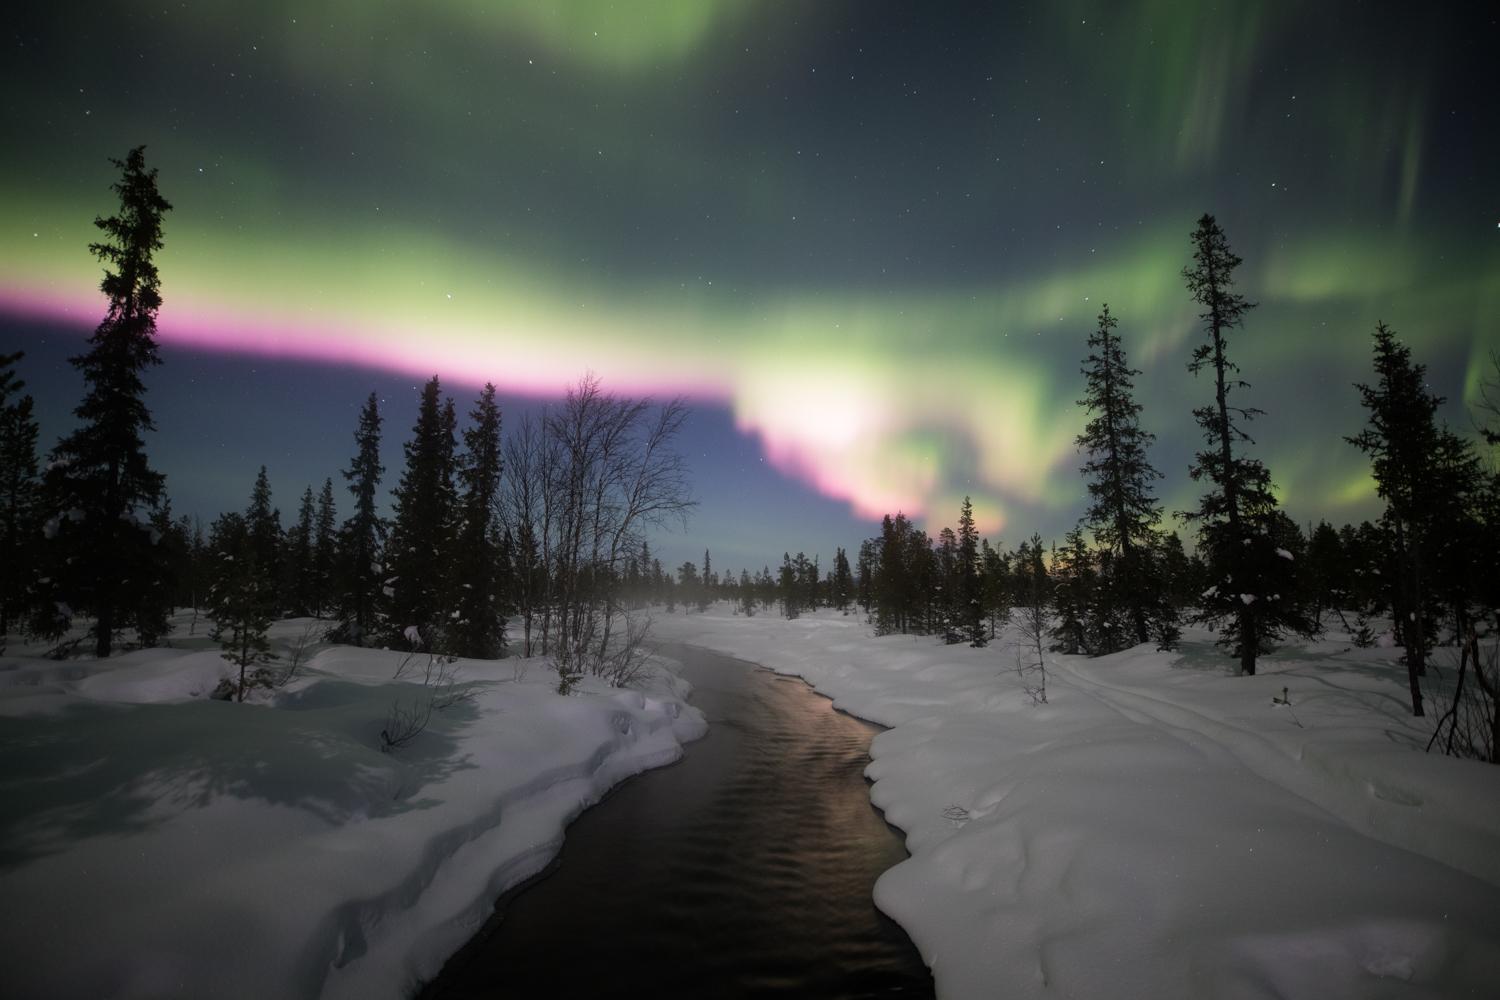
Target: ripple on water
column 745, row 869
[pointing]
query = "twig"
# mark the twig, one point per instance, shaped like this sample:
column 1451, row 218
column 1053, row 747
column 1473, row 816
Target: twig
column 1285, row 701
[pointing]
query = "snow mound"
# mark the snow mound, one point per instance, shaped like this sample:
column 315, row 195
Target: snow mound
column 144, row 679
column 161, row 843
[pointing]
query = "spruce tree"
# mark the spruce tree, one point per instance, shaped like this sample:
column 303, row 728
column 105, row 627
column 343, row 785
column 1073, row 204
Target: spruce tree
column 949, row 614
column 421, row 530
column 921, row 568
column 158, row 589
column 669, row 592
column 1424, row 474
column 480, row 565
column 9, row 383
column 528, row 580
column 100, row 489
column 864, row 574
column 1073, row 585
column 1122, row 512
column 688, row 584
column 970, row 579
column 363, row 534
column 843, row 581
column 787, row 586
column 1251, row 593
column 906, row 584
column 1323, row 573
column 810, row 581
column 1461, row 564
column 240, row 601
column 191, row 577
column 1487, row 505
column 1176, row 589
column 300, row 573
column 889, row 579
column 996, row 588
column 634, row 582
column 650, row 573
column 175, row 538
column 1401, row 440
column 324, row 554
column 263, row 525
column 1369, row 568
column 704, row 595
column 18, row 497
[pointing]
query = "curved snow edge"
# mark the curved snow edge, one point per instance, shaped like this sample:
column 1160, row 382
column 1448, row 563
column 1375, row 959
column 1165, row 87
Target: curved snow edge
column 405, row 933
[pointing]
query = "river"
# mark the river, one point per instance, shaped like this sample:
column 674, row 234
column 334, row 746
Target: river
column 743, row 870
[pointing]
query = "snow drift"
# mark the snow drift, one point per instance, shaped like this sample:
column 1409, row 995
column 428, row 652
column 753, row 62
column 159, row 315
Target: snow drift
column 156, row 842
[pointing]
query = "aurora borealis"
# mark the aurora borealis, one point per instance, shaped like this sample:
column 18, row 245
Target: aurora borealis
column 873, row 235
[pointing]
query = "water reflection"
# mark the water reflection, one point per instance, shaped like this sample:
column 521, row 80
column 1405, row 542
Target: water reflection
column 744, row 870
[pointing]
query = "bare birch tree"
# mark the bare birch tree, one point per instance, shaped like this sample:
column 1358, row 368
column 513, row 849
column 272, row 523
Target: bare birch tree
column 583, row 486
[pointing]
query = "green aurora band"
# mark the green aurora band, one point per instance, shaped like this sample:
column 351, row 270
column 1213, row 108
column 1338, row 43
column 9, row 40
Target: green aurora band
column 669, row 195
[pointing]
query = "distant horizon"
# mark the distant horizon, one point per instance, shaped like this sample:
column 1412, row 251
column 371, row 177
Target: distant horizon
column 187, row 452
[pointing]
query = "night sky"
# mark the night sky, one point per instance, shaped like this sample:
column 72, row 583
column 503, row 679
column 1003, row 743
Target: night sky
column 867, row 239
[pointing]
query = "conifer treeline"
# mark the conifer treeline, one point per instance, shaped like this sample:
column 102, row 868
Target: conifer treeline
column 470, row 542
column 83, row 536
column 1121, row 578
column 546, row 529
column 554, row 543
column 431, row 577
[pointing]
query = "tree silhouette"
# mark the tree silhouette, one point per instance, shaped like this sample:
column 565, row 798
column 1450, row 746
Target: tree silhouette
column 299, row 573
column 324, row 553
column 1429, row 479
column 18, row 496
column 100, row 489
column 422, row 531
column 241, row 599
column 363, row 533
column 1123, row 511
column 481, row 563
column 263, row 524
column 843, row 581
column 970, row 594
column 1250, row 590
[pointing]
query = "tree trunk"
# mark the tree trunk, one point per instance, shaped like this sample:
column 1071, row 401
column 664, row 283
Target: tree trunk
column 1416, row 689
column 104, row 627
column 1249, row 641
column 1416, row 648
column 1469, row 650
column 1493, row 691
column 104, row 624
column 244, row 654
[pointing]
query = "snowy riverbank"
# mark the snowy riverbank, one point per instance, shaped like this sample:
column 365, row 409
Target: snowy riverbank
column 154, row 842
column 1159, row 828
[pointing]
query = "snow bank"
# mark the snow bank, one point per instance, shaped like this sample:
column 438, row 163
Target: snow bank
column 1160, row 828
column 154, row 842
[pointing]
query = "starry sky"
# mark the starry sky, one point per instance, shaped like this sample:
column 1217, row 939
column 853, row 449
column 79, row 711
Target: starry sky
column 867, row 239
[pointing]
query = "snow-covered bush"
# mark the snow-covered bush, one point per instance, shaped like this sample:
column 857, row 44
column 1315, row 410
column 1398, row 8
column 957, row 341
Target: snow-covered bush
column 442, row 688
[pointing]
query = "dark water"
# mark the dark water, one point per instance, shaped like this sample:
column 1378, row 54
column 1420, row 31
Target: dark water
column 743, row 870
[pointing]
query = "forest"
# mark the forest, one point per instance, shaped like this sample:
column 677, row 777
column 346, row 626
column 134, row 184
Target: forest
column 535, row 541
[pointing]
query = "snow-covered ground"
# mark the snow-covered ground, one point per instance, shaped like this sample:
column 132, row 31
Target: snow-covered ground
column 1159, row 828
column 154, row 842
